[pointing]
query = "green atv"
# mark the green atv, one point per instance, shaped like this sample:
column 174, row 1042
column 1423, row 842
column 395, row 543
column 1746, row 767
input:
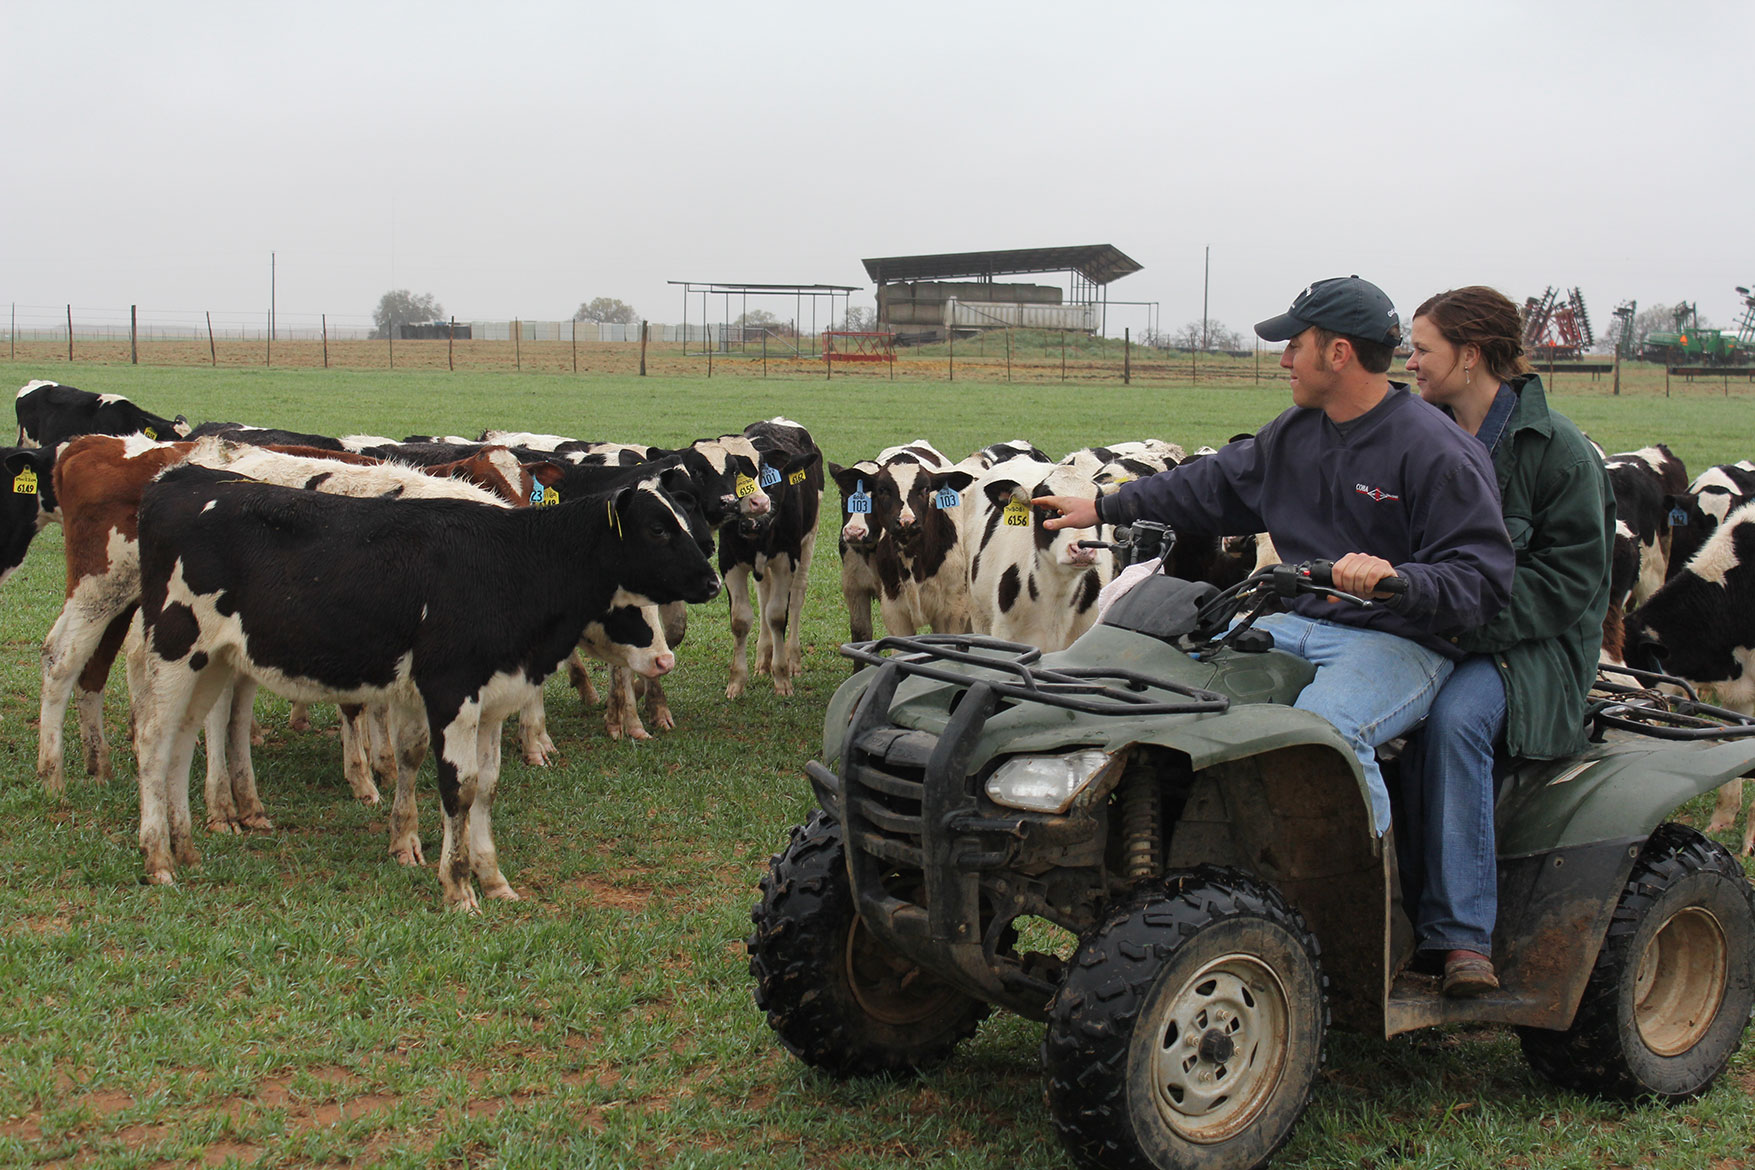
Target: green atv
column 1152, row 791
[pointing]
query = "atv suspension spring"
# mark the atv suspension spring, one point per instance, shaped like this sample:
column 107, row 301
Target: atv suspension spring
column 1142, row 824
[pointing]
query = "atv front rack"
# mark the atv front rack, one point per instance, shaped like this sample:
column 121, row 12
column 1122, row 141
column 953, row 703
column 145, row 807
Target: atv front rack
column 1089, row 690
column 1646, row 710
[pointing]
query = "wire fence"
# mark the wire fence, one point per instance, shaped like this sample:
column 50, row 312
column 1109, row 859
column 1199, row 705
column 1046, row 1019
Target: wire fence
column 43, row 337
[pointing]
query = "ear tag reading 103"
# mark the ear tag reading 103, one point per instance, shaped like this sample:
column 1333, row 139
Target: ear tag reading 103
column 25, row 483
column 770, row 476
column 1017, row 515
column 1678, row 517
column 745, row 486
column 859, row 501
column 947, row 498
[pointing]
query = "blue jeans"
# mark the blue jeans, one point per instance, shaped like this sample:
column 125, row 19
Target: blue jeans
column 1449, row 872
column 1372, row 686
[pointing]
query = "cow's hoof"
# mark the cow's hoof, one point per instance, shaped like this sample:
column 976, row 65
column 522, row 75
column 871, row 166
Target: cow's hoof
column 638, row 732
column 734, row 691
column 501, row 893
column 160, row 877
column 783, row 686
column 1720, row 824
column 53, row 781
column 258, row 823
column 223, row 825
column 663, row 720
column 368, row 796
column 536, row 758
column 464, row 903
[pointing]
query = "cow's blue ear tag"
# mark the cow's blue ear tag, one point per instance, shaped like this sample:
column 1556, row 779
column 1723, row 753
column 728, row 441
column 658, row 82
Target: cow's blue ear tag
column 770, row 476
column 536, row 495
column 947, row 498
column 1678, row 517
column 859, row 501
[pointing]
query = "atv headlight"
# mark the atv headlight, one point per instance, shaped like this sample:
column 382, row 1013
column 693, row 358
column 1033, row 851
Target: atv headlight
column 1045, row 783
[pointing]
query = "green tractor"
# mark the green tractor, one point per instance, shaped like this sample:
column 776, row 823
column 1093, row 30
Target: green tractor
column 1691, row 345
column 1151, row 791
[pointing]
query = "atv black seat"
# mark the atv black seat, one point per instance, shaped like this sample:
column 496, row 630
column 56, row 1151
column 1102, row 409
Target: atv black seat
column 1161, row 606
column 1090, row 690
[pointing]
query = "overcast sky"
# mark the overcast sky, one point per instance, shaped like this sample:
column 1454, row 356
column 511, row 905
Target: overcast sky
column 517, row 159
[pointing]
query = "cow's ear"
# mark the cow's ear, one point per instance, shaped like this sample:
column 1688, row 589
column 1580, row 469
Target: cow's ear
column 835, row 470
column 801, row 462
column 40, row 460
column 955, row 480
column 999, row 492
column 679, row 483
column 545, row 473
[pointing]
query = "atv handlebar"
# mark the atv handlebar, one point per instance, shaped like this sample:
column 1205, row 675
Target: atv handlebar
column 1322, row 574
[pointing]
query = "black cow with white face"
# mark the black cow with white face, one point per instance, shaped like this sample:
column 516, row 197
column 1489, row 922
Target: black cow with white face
column 27, row 501
column 49, row 414
column 1696, row 513
column 450, row 612
column 1700, row 626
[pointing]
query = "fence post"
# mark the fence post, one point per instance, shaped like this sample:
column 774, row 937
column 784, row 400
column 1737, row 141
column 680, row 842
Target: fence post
column 269, row 359
column 326, row 341
column 12, row 335
column 518, row 343
column 390, row 336
column 823, row 343
column 451, row 346
column 1617, row 369
column 1008, row 353
column 645, row 332
column 951, row 338
column 69, row 334
column 707, row 332
column 764, row 353
column 1063, row 355
column 1127, row 355
column 133, row 335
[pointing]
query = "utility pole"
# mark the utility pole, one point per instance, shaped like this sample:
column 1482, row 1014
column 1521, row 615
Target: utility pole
column 271, row 291
column 1205, row 280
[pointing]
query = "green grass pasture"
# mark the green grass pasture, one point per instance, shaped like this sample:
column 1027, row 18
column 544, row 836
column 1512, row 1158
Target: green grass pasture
column 298, row 999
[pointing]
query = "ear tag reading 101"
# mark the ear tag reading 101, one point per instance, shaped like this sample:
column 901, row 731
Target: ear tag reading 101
column 796, row 477
column 1017, row 515
column 859, row 501
column 25, row 483
column 745, row 486
column 947, row 498
column 1678, row 517
column 770, row 476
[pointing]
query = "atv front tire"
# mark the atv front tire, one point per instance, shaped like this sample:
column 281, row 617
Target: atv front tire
column 1673, row 986
column 1188, row 1029
column 839, row 998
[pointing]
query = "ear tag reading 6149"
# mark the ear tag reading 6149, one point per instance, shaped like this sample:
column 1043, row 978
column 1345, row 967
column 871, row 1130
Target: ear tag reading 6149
column 859, row 501
column 947, row 498
column 745, row 486
column 25, row 483
column 770, row 476
column 1017, row 514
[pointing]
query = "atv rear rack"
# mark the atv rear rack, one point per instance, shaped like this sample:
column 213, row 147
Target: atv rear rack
column 1090, row 690
column 1645, row 710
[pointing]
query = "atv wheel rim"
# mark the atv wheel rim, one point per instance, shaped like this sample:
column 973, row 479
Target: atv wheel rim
column 889, row 987
column 1220, row 1048
column 1681, row 982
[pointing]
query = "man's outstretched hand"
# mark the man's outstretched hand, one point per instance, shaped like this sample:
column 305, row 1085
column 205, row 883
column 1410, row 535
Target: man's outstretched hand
column 1075, row 511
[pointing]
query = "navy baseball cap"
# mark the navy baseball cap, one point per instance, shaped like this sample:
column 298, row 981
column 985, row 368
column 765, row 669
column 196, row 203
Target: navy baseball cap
column 1341, row 304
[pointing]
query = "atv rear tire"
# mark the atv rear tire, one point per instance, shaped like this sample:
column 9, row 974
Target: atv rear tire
column 1673, row 986
column 1188, row 1029
column 839, row 998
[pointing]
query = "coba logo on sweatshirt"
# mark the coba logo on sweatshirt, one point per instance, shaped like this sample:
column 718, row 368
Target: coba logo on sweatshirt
column 1377, row 494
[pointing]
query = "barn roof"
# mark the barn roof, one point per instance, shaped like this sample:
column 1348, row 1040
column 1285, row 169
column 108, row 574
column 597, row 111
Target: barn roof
column 1097, row 263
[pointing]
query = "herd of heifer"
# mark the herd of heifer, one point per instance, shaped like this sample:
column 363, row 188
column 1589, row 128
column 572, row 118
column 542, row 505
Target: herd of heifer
column 380, row 574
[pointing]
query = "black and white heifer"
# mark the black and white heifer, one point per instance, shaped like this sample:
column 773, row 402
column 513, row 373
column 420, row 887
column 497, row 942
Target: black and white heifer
column 27, row 501
column 49, row 414
column 1642, row 481
column 775, row 549
column 238, row 432
column 863, row 546
column 1027, row 583
column 452, row 613
column 1700, row 626
column 1697, row 513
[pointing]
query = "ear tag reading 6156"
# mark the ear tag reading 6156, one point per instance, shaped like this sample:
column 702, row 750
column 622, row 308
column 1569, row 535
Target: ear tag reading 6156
column 947, row 498
column 859, row 501
column 1678, row 517
column 25, row 483
column 1017, row 514
column 745, row 486
column 770, row 476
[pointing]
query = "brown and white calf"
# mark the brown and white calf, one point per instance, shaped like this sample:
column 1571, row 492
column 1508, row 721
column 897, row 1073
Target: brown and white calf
column 398, row 601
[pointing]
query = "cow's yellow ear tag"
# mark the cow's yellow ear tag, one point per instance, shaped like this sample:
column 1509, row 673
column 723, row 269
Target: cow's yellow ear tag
column 745, row 486
column 1017, row 514
column 25, row 483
